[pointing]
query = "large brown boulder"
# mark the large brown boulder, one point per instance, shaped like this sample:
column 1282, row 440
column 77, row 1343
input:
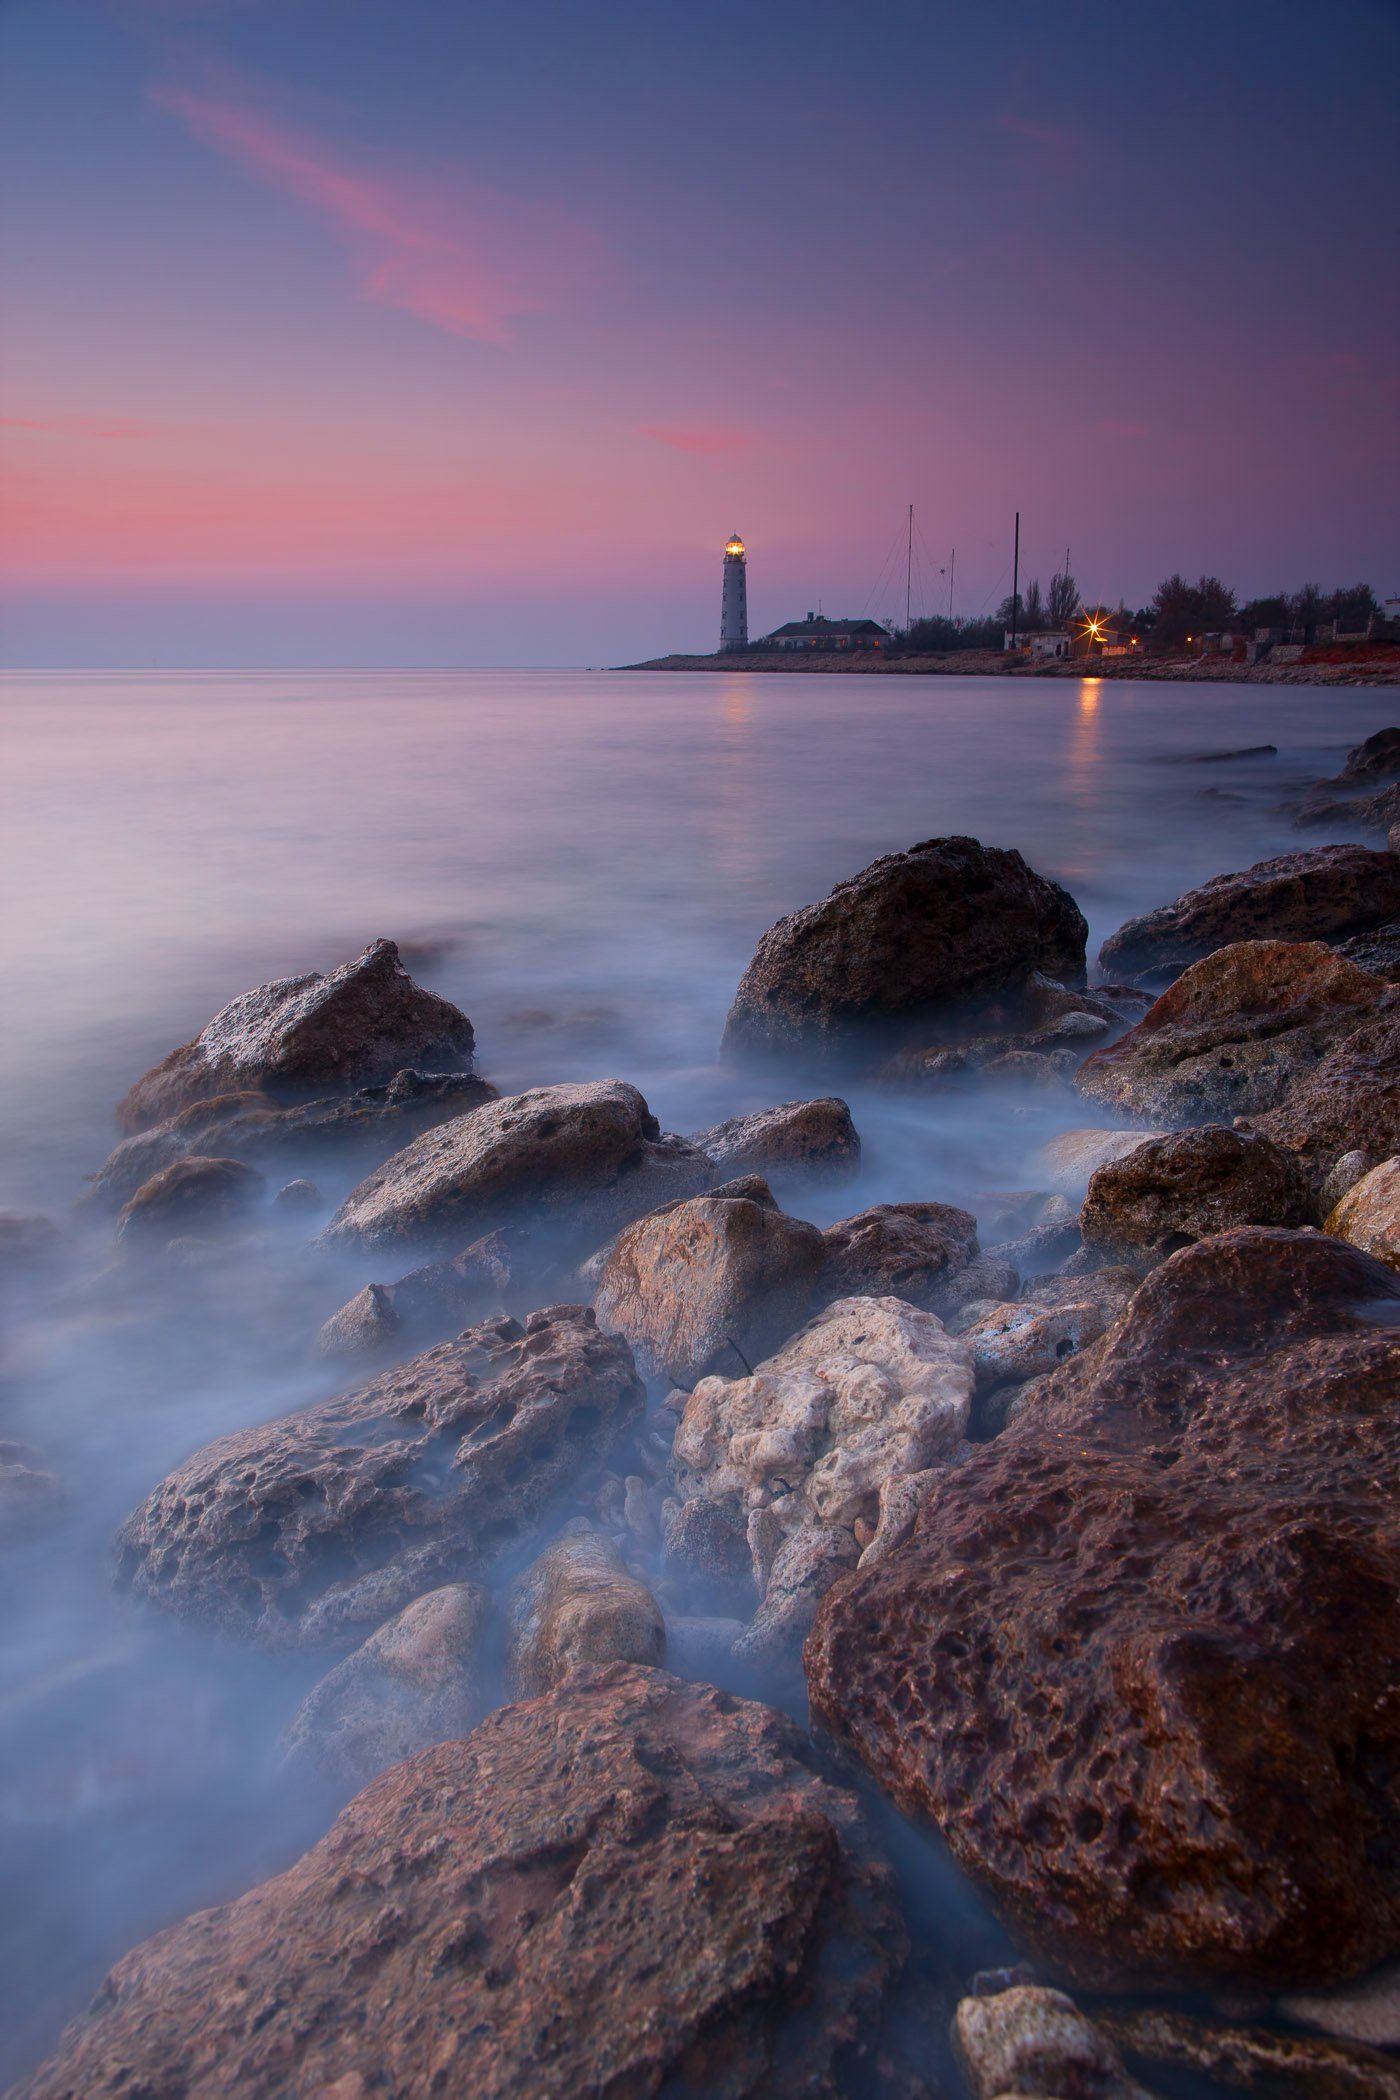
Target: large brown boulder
column 314, row 1528
column 916, row 939
column 913, row 1251
column 195, row 1195
column 713, row 1283
column 579, row 1160
column 633, row 1886
column 579, row 1604
column 1369, row 1213
column 355, row 1130
column 796, row 1137
column 417, row 1680
column 1137, row 1660
column 310, row 1035
column 1321, row 895
column 1187, row 1186
column 1235, row 1033
column 1349, row 1100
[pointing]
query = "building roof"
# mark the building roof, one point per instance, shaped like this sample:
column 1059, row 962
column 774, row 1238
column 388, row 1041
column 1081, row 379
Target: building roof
column 818, row 627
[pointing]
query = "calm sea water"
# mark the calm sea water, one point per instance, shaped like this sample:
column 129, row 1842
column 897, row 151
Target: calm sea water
column 584, row 862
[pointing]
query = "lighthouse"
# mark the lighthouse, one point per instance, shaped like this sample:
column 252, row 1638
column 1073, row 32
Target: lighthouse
column 734, row 602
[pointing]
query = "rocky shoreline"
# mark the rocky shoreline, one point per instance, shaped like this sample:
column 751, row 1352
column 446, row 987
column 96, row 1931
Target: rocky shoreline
column 1064, row 1514
column 1378, row 668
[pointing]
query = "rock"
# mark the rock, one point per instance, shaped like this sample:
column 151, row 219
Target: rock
column 901, row 1498
column 1015, row 1342
column 195, row 1195
column 1028, row 2041
column 1247, row 2059
column 1378, row 758
column 578, row 1604
column 1136, row 1661
column 432, row 1302
column 310, row 1035
column 1324, row 805
column 1234, row 1034
column 1367, row 2011
column 415, row 1681
column 715, row 1282
column 807, row 1562
column 1070, row 1161
column 1321, row 895
column 631, row 1886
column 297, row 1198
column 582, row 1160
column 362, row 1129
column 988, row 1279
column 797, row 1137
column 872, row 1387
column 311, row 1530
column 1350, row 1098
column 1341, row 1178
column 1369, row 1215
column 914, row 1251
column 1184, row 1187
column 1043, row 1251
column 707, row 1552
column 927, row 936
column 1379, row 950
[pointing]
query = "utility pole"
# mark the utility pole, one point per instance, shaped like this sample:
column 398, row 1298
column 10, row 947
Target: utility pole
column 952, row 572
column 909, row 571
column 1015, row 579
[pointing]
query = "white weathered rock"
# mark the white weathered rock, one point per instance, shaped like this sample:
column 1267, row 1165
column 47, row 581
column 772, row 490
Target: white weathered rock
column 1019, row 1341
column 1035, row 2044
column 1369, row 1214
column 1069, row 1161
column 870, row 1388
column 807, row 1563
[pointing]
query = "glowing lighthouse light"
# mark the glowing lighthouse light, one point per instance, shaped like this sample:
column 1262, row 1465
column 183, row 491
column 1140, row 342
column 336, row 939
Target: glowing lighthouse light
column 734, row 600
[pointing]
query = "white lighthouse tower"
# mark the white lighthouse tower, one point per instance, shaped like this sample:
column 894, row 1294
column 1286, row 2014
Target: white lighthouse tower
column 734, row 603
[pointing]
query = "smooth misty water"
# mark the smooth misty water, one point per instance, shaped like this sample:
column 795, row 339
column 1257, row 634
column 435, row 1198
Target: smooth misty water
column 584, row 863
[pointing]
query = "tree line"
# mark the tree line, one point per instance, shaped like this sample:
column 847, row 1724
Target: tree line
column 1177, row 611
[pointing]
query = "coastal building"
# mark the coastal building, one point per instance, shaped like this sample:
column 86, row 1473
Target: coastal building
column 815, row 632
column 734, row 598
column 1046, row 645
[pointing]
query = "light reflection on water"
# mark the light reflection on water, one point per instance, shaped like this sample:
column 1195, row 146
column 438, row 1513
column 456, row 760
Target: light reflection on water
column 585, row 863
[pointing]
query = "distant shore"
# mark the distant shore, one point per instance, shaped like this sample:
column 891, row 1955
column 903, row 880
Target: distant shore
column 1378, row 664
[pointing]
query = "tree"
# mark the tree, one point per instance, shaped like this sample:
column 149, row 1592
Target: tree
column 1033, row 609
column 1012, row 612
column 1305, row 607
column 1264, row 612
column 1173, row 611
column 1215, row 605
column 1352, row 608
column 1063, row 602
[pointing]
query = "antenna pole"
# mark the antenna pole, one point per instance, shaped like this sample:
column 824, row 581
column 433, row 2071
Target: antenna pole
column 909, row 571
column 952, row 572
column 1016, row 579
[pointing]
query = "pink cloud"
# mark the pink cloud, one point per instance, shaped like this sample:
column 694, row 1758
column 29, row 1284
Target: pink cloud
column 77, row 426
column 704, row 440
column 441, row 248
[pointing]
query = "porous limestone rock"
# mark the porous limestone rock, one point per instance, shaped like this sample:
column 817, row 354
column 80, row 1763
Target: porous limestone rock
column 579, row 1604
column 923, row 937
column 870, row 1388
column 312, row 1529
column 417, row 1680
column 579, row 1160
column 1324, row 894
column 1136, row 1660
column 630, row 1886
column 310, row 1035
column 1029, row 2043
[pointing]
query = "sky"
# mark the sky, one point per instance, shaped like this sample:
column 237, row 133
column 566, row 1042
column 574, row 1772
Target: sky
column 397, row 332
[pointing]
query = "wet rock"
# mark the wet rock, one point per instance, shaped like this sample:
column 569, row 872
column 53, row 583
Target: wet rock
column 797, row 1137
column 1234, row 1034
column 579, row 1604
column 1341, row 1178
column 310, row 1035
column 1070, row 1161
column 1013, row 1343
column 1323, row 804
column 359, row 1129
column 1349, row 1099
column 1379, row 950
column 415, row 1681
column 195, row 1195
column 1366, row 2011
column 630, row 1886
column 872, row 1387
column 1043, row 1251
column 1377, row 758
column 707, row 1552
column 914, row 1251
column 716, row 1282
column 1029, row 2041
column 1185, row 1186
column 1321, row 895
column 918, row 937
column 434, row 1301
column 313, row 1529
column 1259, row 2060
column 581, row 1160
column 1136, row 1659
column 1369, row 1214
column 806, row 1564
column 297, row 1198
column 988, row 1279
